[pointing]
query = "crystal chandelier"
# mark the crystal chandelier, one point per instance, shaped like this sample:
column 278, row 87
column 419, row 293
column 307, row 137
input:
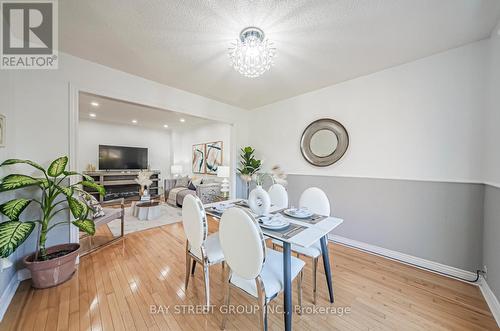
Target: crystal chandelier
column 252, row 54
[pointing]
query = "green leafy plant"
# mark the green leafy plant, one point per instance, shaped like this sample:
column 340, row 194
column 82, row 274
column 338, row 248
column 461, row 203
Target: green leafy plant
column 249, row 165
column 57, row 196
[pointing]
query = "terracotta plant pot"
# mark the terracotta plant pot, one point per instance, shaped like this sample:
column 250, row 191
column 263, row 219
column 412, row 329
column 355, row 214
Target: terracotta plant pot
column 55, row 271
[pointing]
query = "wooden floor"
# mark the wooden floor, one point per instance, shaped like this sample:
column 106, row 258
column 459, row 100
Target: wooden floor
column 114, row 289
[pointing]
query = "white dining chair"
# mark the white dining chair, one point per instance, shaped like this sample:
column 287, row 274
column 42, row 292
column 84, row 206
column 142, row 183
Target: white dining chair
column 317, row 202
column 254, row 269
column 200, row 247
column 279, row 196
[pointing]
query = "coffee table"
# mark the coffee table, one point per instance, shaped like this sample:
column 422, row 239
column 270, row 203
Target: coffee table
column 146, row 211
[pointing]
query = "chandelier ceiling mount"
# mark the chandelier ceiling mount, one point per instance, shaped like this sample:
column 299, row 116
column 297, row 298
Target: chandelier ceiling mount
column 252, row 54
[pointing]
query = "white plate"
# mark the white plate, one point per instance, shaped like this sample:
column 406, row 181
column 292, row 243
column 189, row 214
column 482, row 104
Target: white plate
column 274, row 223
column 222, row 207
column 298, row 213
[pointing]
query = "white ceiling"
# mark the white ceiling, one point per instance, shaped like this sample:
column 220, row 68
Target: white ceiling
column 121, row 112
column 184, row 43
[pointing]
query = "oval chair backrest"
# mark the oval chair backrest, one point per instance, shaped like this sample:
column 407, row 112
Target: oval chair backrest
column 194, row 221
column 279, row 196
column 316, row 201
column 242, row 243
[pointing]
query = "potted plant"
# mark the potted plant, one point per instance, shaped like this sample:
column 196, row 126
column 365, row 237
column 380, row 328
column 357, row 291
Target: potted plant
column 49, row 266
column 249, row 165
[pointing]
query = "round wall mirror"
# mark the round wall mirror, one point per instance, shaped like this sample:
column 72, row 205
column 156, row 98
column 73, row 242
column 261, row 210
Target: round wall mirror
column 324, row 142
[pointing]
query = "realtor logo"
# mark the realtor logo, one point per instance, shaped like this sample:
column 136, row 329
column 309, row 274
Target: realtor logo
column 29, row 35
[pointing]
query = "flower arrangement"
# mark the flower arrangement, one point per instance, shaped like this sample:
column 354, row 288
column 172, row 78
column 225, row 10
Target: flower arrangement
column 143, row 178
column 277, row 176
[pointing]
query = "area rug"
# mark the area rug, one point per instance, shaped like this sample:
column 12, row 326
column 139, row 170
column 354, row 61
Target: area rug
column 168, row 215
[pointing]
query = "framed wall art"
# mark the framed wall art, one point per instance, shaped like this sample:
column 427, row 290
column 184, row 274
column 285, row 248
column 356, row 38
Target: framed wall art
column 213, row 157
column 198, row 159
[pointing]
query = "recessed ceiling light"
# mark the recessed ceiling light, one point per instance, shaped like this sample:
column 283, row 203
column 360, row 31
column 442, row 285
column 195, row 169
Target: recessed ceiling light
column 134, row 121
column 165, row 126
column 182, row 120
column 94, row 104
column 93, row 115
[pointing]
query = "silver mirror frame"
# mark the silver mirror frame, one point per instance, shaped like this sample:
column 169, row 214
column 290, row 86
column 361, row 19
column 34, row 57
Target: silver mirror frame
column 324, row 124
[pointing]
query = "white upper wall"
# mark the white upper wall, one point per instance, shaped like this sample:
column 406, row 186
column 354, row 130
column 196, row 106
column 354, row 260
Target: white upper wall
column 492, row 119
column 40, row 99
column 421, row 120
column 93, row 133
column 183, row 140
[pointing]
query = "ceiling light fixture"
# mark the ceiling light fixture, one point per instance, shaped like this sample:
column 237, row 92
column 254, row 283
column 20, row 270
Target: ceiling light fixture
column 165, row 126
column 93, row 115
column 182, row 120
column 134, row 121
column 252, row 54
column 94, row 104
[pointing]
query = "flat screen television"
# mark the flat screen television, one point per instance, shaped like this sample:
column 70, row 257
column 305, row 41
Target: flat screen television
column 122, row 157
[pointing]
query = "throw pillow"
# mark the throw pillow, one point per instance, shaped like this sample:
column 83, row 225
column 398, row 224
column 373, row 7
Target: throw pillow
column 197, row 181
column 191, row 186
column 93, row 204
column 182, row 182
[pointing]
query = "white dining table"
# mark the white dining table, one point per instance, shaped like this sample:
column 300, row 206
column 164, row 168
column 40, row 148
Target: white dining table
column 309, row 234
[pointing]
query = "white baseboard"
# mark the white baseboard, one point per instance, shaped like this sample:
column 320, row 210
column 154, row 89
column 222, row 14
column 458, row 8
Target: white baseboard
column 491, row 299
column 7, row 295
column 11, row 289
column 405, row 258
column 435, row 267
column 23, row 274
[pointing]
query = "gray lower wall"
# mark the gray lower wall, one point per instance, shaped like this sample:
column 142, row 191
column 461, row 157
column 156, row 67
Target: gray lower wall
column 491, row 237
column 438, row 221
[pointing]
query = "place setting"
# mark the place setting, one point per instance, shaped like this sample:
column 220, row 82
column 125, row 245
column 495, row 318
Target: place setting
column 218, row 209
column 280, row 226
column 303, row 214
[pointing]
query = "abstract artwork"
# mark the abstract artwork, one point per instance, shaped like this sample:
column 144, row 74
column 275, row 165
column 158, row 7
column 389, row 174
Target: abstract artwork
column 198, row 165
column 213, row 157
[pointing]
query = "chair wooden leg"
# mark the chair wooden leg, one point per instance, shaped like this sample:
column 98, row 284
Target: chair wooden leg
column 206, row 276
column 194, row 267
column 299, row 290
column 188, row 267
column 314, row 274
column 122, row 224
column 227, row 298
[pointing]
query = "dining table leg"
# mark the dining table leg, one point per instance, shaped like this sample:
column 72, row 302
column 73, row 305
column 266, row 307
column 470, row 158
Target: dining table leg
column 287, row 279
column 326, row 264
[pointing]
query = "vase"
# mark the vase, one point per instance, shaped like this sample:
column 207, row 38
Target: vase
column 259, row 201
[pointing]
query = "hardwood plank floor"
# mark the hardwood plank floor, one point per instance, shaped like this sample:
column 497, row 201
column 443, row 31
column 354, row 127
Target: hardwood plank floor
column 121, row 286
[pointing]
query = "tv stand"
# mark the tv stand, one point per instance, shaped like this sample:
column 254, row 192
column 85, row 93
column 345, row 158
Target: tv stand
column 121, row 184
